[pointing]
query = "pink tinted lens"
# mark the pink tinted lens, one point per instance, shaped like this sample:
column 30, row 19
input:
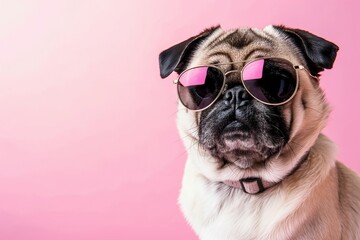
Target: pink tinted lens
column 199, row 87
column 253, row 70
column 251, row 74
column 270, row 80
column 193, row 77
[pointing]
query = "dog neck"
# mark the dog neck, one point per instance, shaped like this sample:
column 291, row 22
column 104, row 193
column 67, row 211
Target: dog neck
column 256, row 185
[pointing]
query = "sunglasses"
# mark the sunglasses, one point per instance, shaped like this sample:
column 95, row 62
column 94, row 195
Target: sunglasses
column 271, row 81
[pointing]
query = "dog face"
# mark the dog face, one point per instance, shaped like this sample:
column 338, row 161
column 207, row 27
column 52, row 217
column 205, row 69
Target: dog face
column 237, row 130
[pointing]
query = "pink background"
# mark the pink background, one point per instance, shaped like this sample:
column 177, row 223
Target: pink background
column 88, row 142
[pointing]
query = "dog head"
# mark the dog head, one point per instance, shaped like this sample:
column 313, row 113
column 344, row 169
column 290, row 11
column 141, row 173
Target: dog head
column 237, row 130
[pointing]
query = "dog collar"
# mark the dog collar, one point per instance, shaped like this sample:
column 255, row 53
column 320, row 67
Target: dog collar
column 255, row 185
column 251, row 185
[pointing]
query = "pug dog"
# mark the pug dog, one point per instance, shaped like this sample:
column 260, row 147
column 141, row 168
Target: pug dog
column 251, row 114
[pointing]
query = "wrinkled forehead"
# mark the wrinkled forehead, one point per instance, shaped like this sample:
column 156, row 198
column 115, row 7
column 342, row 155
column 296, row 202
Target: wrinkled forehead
column 243, row 45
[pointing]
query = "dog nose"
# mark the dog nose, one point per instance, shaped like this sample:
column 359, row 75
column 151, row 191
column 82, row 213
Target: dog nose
column 237, row 96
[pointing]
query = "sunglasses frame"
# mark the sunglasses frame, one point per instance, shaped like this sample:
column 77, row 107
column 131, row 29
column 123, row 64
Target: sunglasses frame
column 224, row 85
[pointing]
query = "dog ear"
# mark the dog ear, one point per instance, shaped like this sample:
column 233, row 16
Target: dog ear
column 318, row 52
column 175, row 58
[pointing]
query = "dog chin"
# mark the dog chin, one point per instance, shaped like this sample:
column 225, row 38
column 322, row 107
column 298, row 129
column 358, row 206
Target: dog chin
column 242, row 149
column 240, row 153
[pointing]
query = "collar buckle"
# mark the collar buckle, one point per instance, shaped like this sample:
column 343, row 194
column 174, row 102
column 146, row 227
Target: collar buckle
column 252, row 185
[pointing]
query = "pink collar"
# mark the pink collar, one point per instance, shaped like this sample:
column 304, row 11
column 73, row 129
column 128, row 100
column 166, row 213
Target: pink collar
column 251, row 185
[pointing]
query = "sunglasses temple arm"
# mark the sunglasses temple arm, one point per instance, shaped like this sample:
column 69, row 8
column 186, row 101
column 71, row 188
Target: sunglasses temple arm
column 300, row 67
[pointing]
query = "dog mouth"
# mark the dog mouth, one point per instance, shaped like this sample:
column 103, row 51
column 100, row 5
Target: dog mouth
column 245, row 137
column 240, row 145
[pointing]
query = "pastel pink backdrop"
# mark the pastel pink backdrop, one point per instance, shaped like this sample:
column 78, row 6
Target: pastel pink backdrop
column 88, row 141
